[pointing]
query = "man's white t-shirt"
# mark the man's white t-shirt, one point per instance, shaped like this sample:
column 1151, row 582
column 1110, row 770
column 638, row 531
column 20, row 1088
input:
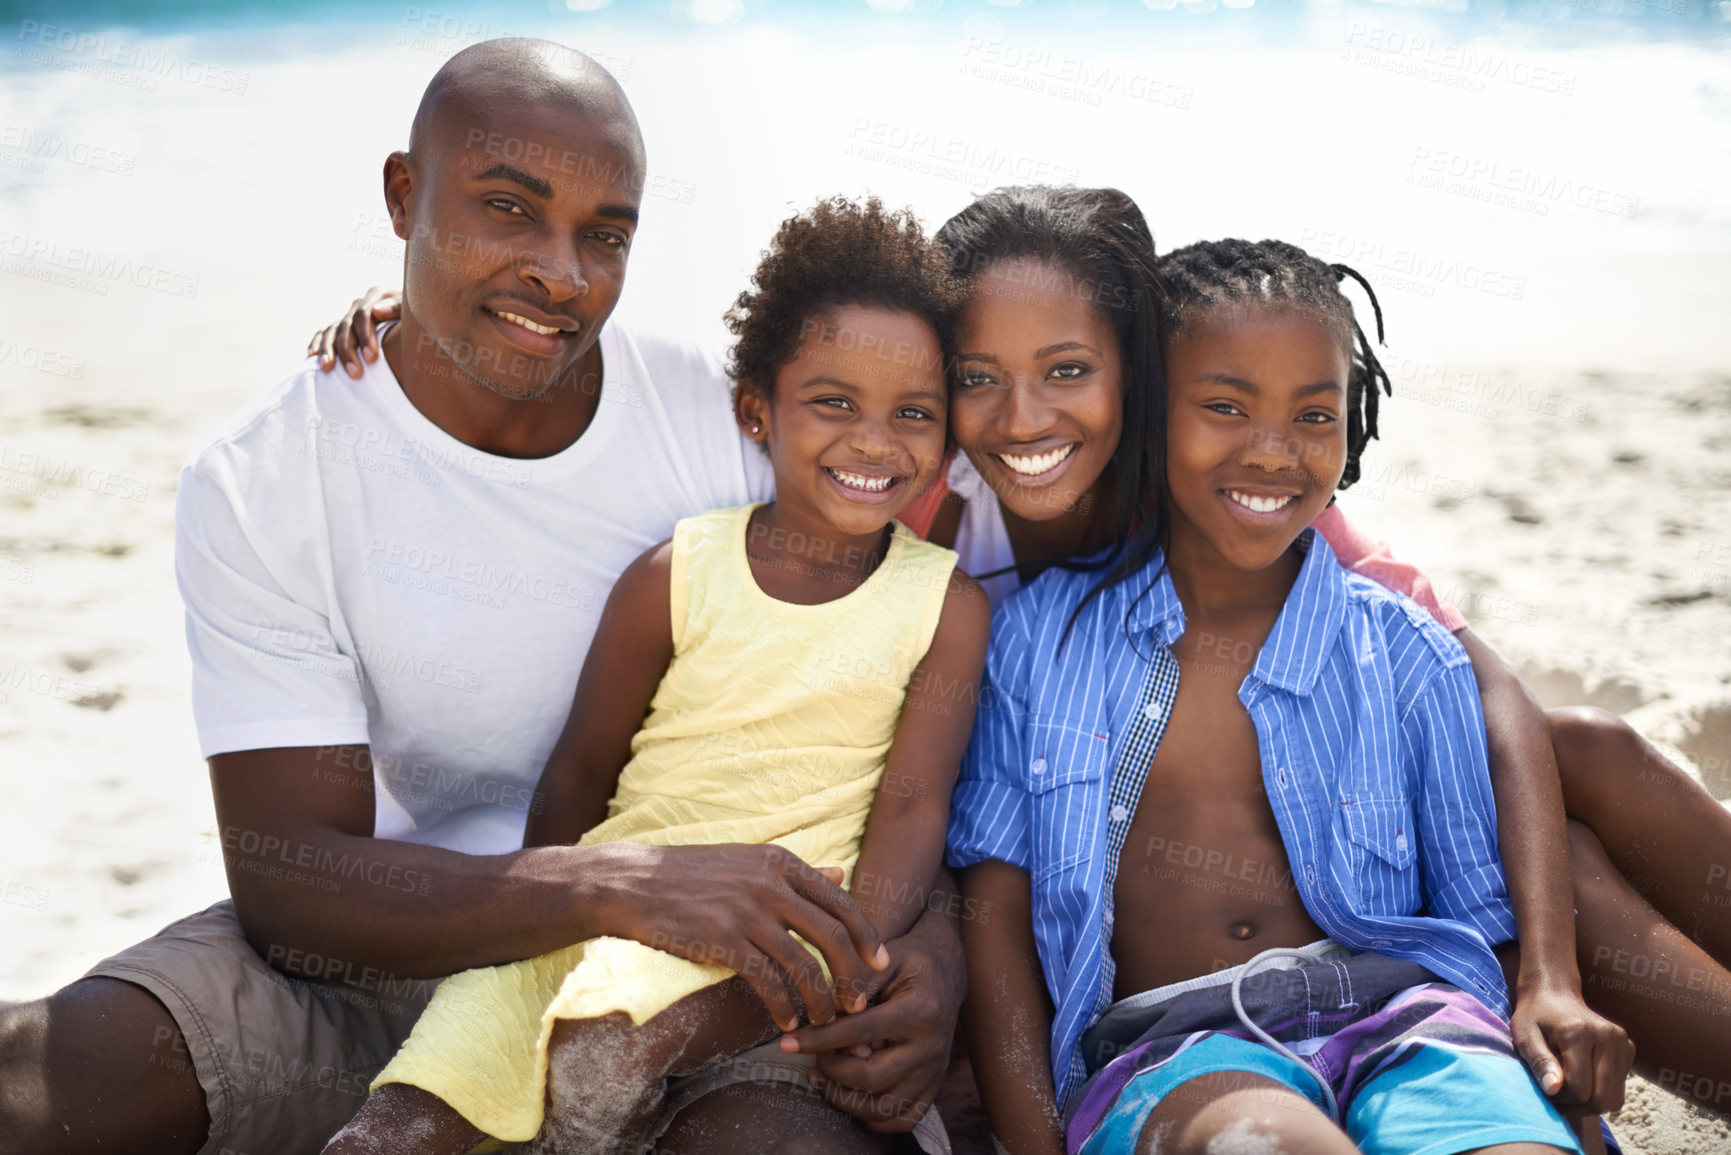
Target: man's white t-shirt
column 353, row 575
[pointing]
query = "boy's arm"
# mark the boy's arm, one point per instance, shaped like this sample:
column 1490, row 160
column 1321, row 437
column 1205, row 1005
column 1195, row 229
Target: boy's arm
column 1008, row 1013
column 626, row 662
column 1462, row 875
column 904, row 836
column 1573, row 1051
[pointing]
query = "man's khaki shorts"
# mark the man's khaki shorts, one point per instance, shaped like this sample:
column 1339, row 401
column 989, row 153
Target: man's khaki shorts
column 286, row 1062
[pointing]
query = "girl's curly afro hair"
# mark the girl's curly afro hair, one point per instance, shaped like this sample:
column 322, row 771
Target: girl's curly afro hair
column 842, row 252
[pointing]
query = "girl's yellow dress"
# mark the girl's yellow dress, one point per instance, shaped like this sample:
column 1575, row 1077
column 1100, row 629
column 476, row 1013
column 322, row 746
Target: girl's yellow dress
column 771, row 724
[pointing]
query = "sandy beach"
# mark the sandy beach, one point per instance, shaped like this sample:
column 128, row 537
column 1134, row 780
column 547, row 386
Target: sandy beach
column 1558, row 460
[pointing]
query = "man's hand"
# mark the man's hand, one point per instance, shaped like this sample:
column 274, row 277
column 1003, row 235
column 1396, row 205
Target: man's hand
column 735, row 906
column 1579, row 1057
column 908, row 1031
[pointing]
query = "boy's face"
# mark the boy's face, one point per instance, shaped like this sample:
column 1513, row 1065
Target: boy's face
column 856, row 426
column 518, row 222
column 1256, row 429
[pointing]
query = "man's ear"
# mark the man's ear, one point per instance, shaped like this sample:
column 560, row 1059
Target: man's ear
column 399, row 183
column 751, row 410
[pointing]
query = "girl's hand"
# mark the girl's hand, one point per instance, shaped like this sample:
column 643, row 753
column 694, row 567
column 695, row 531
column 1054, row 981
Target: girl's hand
column 355, row 336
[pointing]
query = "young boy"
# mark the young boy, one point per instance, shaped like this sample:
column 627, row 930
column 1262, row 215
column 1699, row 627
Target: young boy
column 1240, row 748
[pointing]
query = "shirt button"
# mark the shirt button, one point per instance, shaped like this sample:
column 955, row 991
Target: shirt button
column 1039, row 765
column 1400, row 842
column 1119, row 813
column 1153, row 711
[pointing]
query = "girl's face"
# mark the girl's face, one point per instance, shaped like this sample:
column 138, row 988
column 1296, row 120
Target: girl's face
column 855, row 429
column 1038, row 405
column 1256, row 432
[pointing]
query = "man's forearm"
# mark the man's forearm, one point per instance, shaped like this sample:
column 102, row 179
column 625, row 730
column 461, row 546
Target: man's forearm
column 322, row 901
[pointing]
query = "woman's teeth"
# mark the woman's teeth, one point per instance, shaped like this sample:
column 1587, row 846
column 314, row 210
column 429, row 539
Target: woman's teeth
column 544, row 330
column 859, row 481
column 1035, row 464
column 1257, row 504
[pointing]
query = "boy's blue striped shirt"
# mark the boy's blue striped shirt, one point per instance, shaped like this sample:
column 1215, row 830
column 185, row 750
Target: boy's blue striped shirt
column 1373, row 758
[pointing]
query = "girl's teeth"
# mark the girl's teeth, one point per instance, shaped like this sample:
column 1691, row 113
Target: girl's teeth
column 1259, row 504
column 1036, row 464
column 544, row 330
column 856, row 481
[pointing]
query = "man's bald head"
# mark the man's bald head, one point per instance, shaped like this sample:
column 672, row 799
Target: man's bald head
column 485, row 81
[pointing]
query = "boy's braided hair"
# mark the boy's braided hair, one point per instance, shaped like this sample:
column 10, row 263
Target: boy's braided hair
column 1211, row 274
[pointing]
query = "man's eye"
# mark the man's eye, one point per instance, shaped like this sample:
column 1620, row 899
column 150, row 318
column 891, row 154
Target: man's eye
column 1317, row 417
column 507, row 206
column 611, row 240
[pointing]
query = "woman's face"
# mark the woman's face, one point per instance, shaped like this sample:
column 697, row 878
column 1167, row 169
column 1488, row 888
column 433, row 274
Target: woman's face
column 1038, row 404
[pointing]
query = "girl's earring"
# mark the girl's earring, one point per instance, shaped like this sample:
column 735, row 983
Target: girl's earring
column 757, row 428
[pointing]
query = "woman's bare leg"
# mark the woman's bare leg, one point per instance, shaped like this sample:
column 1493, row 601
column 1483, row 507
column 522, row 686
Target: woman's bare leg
column 1666, row 835
column 405, row 1120
column 1639, row 970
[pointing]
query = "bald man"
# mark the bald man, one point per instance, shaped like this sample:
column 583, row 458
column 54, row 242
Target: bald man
column 390, row 588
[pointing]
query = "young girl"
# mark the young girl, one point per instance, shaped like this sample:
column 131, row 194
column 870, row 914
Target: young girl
column 1237, row 754
column 777, row 673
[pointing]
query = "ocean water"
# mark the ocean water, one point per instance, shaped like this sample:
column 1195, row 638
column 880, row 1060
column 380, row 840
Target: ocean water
column 1531, row 182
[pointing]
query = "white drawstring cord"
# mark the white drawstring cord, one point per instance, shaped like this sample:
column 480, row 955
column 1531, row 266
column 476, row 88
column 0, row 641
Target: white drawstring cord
column 1270, row 1040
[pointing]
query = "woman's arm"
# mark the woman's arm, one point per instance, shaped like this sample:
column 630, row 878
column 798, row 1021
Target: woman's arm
column 1008, row 1013
column 626, row 662
column 355, row 335
column 904, row 836
column 1579, row 1057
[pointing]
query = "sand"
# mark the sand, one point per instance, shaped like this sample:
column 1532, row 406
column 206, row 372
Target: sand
column 1561, row 464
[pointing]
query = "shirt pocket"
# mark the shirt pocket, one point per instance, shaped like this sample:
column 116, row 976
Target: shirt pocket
column 1383, row 853
column 1065, row 775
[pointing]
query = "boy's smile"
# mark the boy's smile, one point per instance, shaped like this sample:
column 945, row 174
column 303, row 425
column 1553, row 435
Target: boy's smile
column 1256, row 443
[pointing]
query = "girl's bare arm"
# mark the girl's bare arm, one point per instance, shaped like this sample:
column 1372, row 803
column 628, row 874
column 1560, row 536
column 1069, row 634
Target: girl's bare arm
column 904, row 837
column 627, row 660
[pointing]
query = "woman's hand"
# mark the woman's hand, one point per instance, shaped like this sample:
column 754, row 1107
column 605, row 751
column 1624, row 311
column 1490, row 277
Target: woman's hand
column 355, row 335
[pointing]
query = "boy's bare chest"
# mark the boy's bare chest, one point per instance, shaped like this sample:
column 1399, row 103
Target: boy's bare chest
column 1203, row 880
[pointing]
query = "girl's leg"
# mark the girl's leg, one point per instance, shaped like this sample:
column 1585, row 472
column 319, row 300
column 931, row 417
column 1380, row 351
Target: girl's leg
column 771, row 1117
column 405, row 1119
column 1639, row 970
column 1239, row 1111
column 1666, row 835
column 606, row 1077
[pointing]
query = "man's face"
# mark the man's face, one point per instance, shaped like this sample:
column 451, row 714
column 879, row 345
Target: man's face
column 518, row 224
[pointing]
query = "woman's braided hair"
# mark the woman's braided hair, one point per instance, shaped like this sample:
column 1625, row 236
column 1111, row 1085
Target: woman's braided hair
column 1205, row 276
